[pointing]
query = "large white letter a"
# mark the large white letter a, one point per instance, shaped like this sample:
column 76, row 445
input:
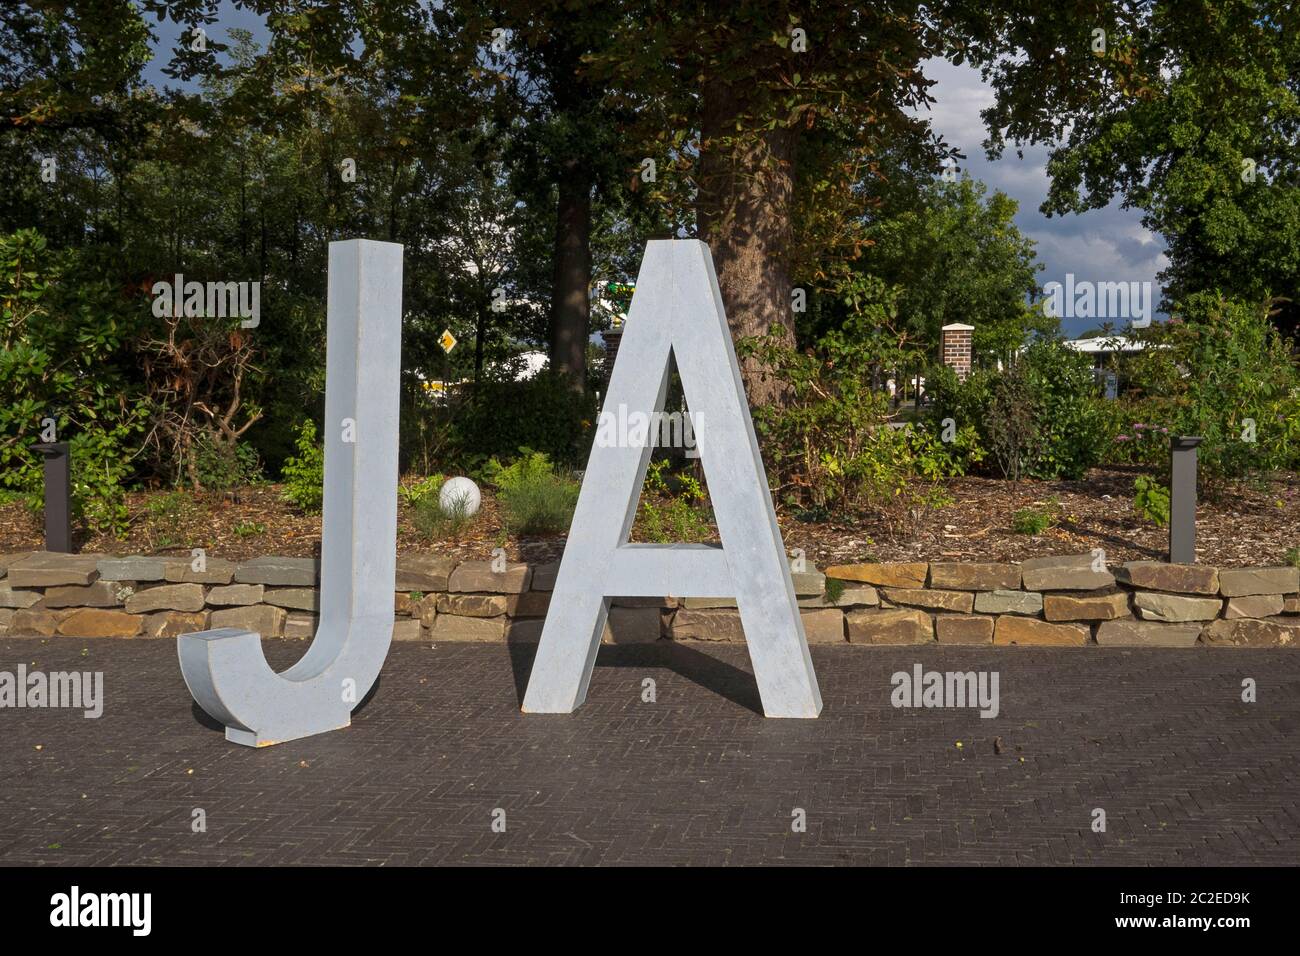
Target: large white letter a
column 677, row 309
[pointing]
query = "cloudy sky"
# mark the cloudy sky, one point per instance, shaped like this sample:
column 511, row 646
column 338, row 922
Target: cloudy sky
column 1104, row 245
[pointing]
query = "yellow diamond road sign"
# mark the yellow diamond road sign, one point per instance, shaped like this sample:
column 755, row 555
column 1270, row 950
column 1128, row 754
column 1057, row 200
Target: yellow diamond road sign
column 447, row 340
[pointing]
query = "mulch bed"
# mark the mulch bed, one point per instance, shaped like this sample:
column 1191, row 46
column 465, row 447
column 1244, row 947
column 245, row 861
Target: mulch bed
column 1244, row 525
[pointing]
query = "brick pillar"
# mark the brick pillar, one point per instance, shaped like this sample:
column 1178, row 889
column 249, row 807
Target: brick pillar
column 955, row 348
column 611, row 339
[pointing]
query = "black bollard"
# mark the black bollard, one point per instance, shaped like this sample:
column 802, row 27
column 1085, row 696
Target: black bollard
column 58, row 497
column 1182, row 499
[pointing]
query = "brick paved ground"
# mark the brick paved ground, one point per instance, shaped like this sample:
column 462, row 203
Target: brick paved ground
column 1160, row 739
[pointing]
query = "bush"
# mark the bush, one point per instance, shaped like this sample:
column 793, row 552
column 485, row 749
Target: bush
column 1034, row 521
column 1076, row 425
column 304, row 474
column 220, row 467
column 1222, row 371
column 1151, row 500
column 544, row 413
column 534, row 498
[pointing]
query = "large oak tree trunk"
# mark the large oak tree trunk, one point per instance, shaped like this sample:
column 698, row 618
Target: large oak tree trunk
column 571, row 303
column 746, row 191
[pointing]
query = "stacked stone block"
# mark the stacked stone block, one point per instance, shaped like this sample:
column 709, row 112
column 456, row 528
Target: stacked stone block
column 1068, row 600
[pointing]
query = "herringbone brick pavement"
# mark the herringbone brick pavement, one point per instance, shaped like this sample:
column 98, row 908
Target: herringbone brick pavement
column 1160, row 739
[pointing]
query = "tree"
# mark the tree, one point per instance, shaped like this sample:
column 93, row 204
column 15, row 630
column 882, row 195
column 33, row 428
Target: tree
column 1188, row 110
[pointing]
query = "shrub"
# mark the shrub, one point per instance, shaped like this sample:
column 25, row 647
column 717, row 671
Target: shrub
column 220, row 467
column 1151, row 500
column 1075, row 425
column 438, row 524
column 1222, row 371
column 422, row 490
column 667, row 516
column 534, row 498
column 304, row 473
column 544, row 412
column 1034, row 521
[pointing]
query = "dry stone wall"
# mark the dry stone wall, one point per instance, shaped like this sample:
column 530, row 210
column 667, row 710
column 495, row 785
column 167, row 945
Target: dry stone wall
column 1066, row 601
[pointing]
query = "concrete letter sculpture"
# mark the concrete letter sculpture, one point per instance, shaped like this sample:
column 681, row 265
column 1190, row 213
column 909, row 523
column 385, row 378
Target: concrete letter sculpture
column 677, row 309
column 225, row 669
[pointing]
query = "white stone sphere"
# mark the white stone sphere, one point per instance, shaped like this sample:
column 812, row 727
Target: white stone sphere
column 459, row 493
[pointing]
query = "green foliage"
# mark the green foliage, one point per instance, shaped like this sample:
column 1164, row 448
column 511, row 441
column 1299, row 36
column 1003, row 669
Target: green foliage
column 1074, row 422
column 830, row 446
column 436, row 523
column 1035, row 520
column 220, row 468
column 1224, row 373
column 534, row 497
column 304, row 474
column 1151, row 500
column 834, row 590
column 543, row 412
column 424, row 489
column 672, row 511
column 1292, row 557
column 61, row 333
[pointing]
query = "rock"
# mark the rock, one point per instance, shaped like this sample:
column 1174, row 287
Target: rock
column 94, row 622
column 473, row 605
column 479, row 576
column 100, row 594
column 6, row 560
column 423, row 572
column 808, row 583
column 527, row 631
column 544, row 576
column 262, row 618
column 1241, row 582
column 1251, row 632
column 974, row 576
column 889, row 627
column 17, row 599
column 959, row 601
column 427, row 610
column 1009, row 602
column 299, row 626
column 453, row 627
column 858, row 597
column 1147, row 634
column 1160, row 576
column 1254, row 605
column 1099, row 607
column 537, row 603
column 631, row 625
column 6, row 616
column 167, row 597
column 407, row 629
column 1012, row 629
column 276, row 570
column 33, row 621
column 1291, row 604
column 175, row 623
column 1174, row 608
column 236, row 595
column 824, row 627
column 132, row 569
column 45, row 569
column 963, row 629
column 889, row 574
column 402, row 603
column 215, row 571
column 298, row 599
column 707, row 625
column 1066, row 572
